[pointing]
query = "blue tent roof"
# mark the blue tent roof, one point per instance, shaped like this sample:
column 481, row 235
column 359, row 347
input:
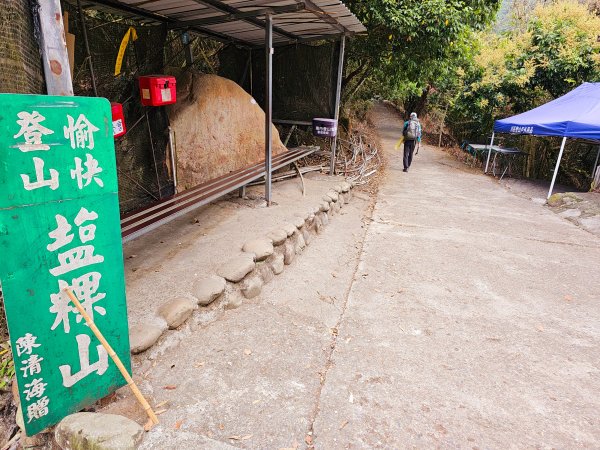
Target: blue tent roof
column 574, row 115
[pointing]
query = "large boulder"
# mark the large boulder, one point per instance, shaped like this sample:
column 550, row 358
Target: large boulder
column 218, row 127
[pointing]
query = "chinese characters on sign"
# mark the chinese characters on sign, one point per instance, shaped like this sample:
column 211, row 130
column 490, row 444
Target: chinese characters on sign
column 59, row 227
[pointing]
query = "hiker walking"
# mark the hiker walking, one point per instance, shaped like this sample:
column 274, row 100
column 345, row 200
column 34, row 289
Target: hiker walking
column 412, row 135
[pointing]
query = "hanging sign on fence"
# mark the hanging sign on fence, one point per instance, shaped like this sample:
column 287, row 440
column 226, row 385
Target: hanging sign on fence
column 60, row 226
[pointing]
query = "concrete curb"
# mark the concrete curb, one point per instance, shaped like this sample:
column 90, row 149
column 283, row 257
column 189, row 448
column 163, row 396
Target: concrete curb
column 300, row 231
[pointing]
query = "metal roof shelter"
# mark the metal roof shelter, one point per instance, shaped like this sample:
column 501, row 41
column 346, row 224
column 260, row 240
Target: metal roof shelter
column 252, row 24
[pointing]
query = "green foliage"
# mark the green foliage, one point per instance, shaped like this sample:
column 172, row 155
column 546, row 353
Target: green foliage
column 7, row 366
column 552, row 52
column 412, row 45
column 519, row 70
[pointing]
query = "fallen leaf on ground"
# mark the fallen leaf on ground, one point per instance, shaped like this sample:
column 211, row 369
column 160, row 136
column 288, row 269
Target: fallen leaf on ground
column 568, row 298
column 160, row 411
column 235, row 438
column 344, row 423
column 255, row 402
column 247, row 351
column 539, row 327
column 161, row 404
column 178, row 424
column 221, row 426
column 334, row 275
column 170, row 387
column 308, row 439
column 248, row 436
column 199, row 364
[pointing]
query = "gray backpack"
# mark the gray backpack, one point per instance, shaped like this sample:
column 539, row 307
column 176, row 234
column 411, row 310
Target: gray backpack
column 412, row 131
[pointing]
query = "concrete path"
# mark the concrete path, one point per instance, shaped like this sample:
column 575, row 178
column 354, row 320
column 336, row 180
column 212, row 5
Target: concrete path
column 473, row 320
column 457, row 315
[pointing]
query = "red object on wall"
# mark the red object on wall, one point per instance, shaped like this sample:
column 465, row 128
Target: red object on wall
column 118, row 120
column 157, row 90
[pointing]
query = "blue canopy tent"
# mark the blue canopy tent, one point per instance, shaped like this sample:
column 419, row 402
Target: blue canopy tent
column 575, row 115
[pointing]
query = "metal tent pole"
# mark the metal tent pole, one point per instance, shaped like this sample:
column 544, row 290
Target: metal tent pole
column 338, row 96
column 489, row 152
column 596, row 163
column 562, row 148
column 268, row 105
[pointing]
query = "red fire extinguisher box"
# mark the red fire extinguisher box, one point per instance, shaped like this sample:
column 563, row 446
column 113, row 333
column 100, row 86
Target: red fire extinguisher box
column 157, row 90
column 118, row 120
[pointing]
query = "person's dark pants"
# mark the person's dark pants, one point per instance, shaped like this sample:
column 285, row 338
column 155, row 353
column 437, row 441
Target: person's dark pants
column 409, row 148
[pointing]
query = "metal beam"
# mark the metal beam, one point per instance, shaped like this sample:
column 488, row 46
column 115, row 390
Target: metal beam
column 231, row 17
column 118, row 6
column 54, row 49
column 338, row 96
column 321, row 14
column 220, row 6
column 268, row 106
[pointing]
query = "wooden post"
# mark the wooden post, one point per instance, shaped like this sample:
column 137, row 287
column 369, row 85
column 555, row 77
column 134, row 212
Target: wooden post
column 54, row 49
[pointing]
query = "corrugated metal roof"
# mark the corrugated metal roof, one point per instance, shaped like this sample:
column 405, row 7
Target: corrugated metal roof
column 242, row 21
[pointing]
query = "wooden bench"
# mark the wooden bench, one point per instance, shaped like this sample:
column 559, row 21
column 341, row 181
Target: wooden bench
column 142, row 221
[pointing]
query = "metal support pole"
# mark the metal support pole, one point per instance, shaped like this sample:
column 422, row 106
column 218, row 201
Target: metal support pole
column 338, row 96
column 596, row 163
column 54, row 49
column 187, row 49
column 246, row 70
column 173, row 158
column 562, row 148
column 489, row 153
column 268, row 106
column 88, row 54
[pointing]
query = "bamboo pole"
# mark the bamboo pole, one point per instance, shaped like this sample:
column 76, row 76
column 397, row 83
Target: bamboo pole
column 153, row 419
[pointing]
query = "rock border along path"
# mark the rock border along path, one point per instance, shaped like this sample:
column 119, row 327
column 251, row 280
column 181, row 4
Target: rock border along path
column 244, row 276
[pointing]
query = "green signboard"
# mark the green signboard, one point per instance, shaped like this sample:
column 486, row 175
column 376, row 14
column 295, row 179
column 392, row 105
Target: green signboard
column 59, row 227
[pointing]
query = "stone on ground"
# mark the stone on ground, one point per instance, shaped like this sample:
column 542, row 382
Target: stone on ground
column 300, row 243
column 252, row 286
column 338, row 188
column 318, row 225
column 346, row 186
column 327, row 198
column 289, row 229
column 289, row 253
column 278, row 237
column 306, row 235
column 234, row 300
column 266, row 273
column 278, row 264
column 97, row 431
column 237, row 268
column 206, row 103
column 262, row 248
column 334, row 195
column 207, row 290
column 324, row 219
column 176, row 311
column 325, row 206
column 143, row 336
column 298, row 222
